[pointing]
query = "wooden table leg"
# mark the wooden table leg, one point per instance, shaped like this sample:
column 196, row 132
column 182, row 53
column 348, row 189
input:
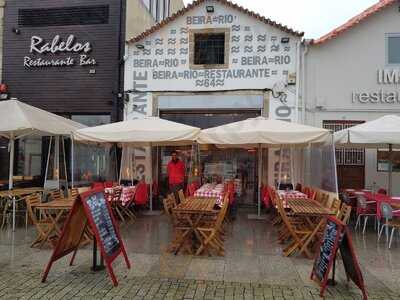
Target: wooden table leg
column 305, row 249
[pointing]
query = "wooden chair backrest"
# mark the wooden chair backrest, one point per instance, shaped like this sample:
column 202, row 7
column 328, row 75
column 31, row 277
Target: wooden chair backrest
column 336, row 203
column 169, row 204
column 73, row 193
column 285, row 219
column 56, row 195
column 344, row 213
column 172, row 196
column 222, row 212
column 181, row 196
column 31, row 201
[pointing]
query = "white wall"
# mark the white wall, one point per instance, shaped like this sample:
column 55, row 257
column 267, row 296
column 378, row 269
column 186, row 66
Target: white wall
column 349, row 64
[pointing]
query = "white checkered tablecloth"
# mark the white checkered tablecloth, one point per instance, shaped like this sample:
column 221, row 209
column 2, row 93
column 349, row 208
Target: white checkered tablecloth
column 127, row 194
column 211, row 191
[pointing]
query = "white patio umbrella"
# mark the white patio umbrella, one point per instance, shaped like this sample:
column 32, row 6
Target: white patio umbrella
column 382, row 132
column 147, row 131
column 18, row 119
column 262, row 132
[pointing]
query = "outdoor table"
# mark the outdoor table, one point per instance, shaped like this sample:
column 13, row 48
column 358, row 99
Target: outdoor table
column 19, row 192
column 193, row 210
column 309, row 208
column 57, row 207
column 211, row 191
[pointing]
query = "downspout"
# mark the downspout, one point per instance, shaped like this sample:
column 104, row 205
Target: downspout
column 303, row 83
column 298, row 81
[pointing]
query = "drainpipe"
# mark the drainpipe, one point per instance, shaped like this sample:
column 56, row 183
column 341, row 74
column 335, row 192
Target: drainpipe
column 298, row 81
column 303, row 84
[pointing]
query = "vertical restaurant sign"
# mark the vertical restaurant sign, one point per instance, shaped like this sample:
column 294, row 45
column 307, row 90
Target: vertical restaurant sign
column 58, row 52
column 139, row 106
column 257, row 55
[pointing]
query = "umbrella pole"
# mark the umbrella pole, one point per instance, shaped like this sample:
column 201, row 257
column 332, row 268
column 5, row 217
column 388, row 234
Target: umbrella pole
column 390, row 170
column 280, row 167
column 259, row 179
column 10, row 179
column 11, row 171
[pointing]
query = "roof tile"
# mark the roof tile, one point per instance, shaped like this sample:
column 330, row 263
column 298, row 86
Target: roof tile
column 226, row 2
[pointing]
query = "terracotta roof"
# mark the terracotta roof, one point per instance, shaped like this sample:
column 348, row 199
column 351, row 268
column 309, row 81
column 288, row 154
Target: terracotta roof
column 354, row 21
column 199, row 2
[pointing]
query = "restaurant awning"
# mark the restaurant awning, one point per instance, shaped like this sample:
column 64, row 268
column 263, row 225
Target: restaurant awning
column 148, row 131
column 263, row 131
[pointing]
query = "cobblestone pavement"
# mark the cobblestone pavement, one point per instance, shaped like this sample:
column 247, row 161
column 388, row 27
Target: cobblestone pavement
column 253, row 268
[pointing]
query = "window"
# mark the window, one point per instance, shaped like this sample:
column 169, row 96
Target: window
column 393, row 48
column 346, row 157
column 208, row 48
column 64, row 16
column 382, row 158
column 91, row 120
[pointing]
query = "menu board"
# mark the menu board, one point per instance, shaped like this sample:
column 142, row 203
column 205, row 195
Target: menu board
column 350, row 261
column 102, row 220
column 336, row 237
column 327, row 250
column 91, row 210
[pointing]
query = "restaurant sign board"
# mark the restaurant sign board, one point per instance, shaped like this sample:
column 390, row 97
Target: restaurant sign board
column 49, row 53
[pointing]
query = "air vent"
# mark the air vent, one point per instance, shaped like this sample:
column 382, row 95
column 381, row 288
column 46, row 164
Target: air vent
column 64, row 16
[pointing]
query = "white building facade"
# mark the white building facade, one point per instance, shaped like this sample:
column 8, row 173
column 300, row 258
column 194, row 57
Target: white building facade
column 214, row 63
column 352, row 76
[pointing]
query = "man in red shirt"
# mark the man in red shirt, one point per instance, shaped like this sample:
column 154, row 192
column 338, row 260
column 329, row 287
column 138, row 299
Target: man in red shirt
column 176, row 174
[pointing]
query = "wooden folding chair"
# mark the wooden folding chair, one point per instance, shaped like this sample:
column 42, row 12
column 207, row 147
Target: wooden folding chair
column 178, row 224
column 344, row 213
column 336, row 204
column 181, row 196
column 298, row 233
column 73, row 193
column 56, row 195
column 211, row 235
column 43, row 225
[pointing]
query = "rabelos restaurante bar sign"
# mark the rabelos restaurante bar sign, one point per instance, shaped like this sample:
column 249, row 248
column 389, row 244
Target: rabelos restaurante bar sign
column 58, row 52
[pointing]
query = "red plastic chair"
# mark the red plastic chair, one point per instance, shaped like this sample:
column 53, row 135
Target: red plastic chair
column 97, row 185
column 265, row 196
column 108, row 184
column 191, row 188
column 230, row 188
column 141, row 194
column 382, row 191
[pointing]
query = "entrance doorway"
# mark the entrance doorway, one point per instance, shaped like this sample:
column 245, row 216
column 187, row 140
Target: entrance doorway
column 218, row 165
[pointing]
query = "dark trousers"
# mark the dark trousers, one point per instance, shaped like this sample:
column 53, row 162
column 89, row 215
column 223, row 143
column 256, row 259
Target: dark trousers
column 174, row 188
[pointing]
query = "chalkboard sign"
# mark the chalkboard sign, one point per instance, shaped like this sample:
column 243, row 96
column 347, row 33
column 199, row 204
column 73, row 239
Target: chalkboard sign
column 103, row 222
column 336, row 236
column 350, row 262
column 91, row 210
column 327, row 250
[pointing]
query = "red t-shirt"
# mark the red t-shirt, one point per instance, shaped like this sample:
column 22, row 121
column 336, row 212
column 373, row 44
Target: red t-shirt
column 176, row 172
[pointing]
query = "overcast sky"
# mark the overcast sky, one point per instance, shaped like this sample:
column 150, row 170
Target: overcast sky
column 314, row 17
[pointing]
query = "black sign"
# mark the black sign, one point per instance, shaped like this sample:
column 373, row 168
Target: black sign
column 327, row 251
column 102, row 220
column 350, row 261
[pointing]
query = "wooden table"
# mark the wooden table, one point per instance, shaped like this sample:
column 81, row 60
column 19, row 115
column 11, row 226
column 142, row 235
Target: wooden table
column 54, row 211
column 308, row 208
column 193, row 210
column 19, row 192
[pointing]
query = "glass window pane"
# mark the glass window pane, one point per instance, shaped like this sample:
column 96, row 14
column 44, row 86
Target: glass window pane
column 91, row 120
column 394, row 49
column 29, row 158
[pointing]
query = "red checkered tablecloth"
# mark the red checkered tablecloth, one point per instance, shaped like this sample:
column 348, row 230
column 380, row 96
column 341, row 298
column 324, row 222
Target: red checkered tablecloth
column 211, row 191
column 291, row 195
column 127, row 194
